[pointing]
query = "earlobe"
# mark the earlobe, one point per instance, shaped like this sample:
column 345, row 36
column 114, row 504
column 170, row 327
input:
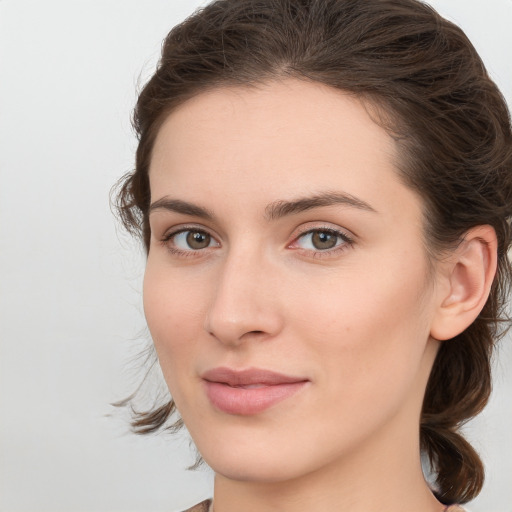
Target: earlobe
column 467, row 280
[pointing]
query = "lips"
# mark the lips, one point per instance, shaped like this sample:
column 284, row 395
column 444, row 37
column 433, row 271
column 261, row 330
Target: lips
column 248, row 392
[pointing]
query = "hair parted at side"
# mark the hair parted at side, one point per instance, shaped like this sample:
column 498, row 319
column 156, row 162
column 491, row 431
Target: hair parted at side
column 428, row 87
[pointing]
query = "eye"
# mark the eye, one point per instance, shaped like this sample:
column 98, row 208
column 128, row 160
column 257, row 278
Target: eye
column 189, row 240
column 322, row 240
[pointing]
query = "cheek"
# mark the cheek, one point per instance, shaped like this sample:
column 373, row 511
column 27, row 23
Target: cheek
column 366, row 326
column 174, row 313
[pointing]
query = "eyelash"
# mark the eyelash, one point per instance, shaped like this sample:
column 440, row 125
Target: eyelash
column 346, row 242
column 180, row 252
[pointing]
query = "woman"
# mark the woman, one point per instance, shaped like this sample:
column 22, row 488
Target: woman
column 324, row 191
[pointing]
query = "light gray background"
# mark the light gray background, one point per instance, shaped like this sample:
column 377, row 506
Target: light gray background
column 70, row 304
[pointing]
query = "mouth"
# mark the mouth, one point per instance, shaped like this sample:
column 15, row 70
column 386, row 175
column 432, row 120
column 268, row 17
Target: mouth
column 248, row 392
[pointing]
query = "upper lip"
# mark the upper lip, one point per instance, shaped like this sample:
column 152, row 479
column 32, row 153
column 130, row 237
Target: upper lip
column 248, row 377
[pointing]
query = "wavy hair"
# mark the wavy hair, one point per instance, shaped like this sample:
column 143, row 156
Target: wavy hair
column 426, row 85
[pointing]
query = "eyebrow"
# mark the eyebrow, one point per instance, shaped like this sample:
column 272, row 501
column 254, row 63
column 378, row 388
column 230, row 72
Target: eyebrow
column 179, row 206
column 274, row 210
column 279, row 209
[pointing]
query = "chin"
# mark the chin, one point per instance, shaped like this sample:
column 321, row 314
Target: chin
column 261, row 458
column 257, row 471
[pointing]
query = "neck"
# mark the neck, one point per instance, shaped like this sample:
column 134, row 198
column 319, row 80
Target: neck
column 367, row 481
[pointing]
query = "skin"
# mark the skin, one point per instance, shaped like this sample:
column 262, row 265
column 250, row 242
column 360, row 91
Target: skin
column 355, row 320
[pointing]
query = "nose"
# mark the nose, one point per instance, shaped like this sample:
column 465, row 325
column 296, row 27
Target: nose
column 245, row 305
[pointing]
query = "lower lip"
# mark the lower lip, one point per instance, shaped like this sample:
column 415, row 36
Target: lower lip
column 247, row 401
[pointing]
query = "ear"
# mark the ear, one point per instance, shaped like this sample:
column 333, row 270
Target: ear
column 464, row 282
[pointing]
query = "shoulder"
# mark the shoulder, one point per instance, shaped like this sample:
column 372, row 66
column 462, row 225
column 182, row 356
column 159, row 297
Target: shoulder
column 204, row 506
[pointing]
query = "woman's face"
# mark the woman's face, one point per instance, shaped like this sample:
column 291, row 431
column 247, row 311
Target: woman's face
column 287, row 288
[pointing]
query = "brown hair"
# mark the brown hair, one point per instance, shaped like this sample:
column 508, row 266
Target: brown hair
column 425, row 81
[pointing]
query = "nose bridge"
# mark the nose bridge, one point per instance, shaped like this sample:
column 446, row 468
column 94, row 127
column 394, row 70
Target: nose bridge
column 244, row 300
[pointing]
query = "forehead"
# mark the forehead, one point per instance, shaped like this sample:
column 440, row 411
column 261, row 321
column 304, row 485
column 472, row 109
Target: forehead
column 285, row 137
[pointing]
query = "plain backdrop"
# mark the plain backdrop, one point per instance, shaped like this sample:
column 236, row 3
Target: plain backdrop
column 70, row 294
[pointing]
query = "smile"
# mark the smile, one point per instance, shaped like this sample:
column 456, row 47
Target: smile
column 250, row 391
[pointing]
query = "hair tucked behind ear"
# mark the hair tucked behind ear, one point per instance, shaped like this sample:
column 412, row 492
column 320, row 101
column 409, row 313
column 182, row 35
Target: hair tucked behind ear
column 450, row 123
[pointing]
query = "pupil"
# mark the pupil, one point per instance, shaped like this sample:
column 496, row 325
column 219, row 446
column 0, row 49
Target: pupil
column 323, row 240
column 197, row 240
